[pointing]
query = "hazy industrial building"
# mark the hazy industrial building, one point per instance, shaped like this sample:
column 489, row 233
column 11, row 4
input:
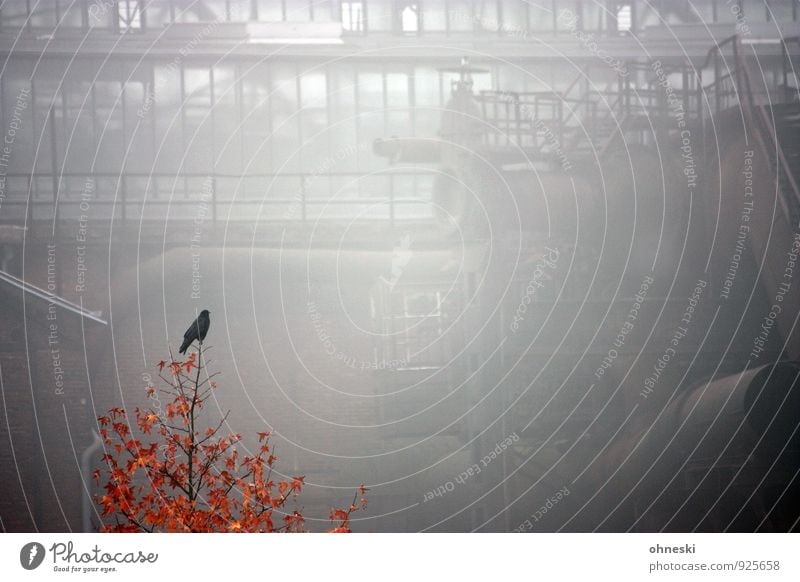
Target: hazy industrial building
column 516, row 265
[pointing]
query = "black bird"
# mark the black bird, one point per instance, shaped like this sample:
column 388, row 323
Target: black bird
column 196, row 331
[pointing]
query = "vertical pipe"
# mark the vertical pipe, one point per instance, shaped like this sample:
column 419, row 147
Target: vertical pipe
column 211, row 99
column 785, row 65
column 86, row 476
column 737, row 69
column 123, row 173
column 54, row 171
column 716, row 84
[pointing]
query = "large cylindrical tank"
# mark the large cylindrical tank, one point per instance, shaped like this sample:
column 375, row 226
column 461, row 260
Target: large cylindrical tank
column 486, row 200
column 629, row 210
column 721, row 455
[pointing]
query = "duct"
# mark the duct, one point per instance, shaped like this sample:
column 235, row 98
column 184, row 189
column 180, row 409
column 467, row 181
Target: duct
column 743, row 418
column 479, row 197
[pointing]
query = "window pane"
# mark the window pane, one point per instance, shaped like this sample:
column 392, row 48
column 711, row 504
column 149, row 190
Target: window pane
column 434, row 16
column 165, row 108
column 286, row 125
column 427, row 101
column 43, row 15
column 379, row 16
column 298, row 11
column 45, row 90
column 158, row 13
column 322, row 10
column 271, row 10
column 353, row 16
column 408, row 15
column 108, row 117
column 130, row 15
column 515, row 17
column 486, row 17
column 754, row 10
column 256, row 127
column 370, row 90
column 100, row 15
column 13, row 15
column 70, row 14
column 703, row 10
column 198, row 126
column 727, row 11
column 397, row 89
column 227, row 129
column 139, row 114
column 16, row 98
column 540, row 16
column 342, row 98
column 314, row 115
column 78, row 124
column 461, row 16
column 624, row 17
column 781, row 10
column 239, row 10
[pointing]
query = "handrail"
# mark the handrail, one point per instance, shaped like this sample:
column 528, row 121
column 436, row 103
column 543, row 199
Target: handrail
column 766, row 123
column 293, row 195
column 717, row 48
column 620, row 99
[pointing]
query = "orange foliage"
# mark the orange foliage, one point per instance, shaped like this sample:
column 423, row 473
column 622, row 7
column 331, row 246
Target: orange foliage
column 190, row 479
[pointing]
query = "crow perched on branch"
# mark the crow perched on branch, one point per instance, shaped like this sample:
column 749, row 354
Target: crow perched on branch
column 196, row 331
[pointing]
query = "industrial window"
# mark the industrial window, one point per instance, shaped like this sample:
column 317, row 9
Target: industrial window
column 270, row 10
column 461, row 16
column 43, row 15
column 408, row 17
column 70, row 14
column 624, row 17
column 782, row 10
column 298, row 11
column 130, row 15
column 13, row 15
column 434, row 15
column 353, row 16
column 238, row 10
column 380, row 16
column 592, row 16
column 727, row 12
column 541, row 17
column 486, row 15
column 290, row 10
column 702, row 11
column 515, row 18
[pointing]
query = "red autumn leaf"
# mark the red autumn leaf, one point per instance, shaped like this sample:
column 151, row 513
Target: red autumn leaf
column 186, row 480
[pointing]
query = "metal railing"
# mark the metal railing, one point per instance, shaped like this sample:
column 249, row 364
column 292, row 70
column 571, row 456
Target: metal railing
column 393, row 194
column 732, row 88
column 583, row 116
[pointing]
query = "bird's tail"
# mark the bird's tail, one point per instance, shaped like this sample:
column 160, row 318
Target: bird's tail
column 184, row 346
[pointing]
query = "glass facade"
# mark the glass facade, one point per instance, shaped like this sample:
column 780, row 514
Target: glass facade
column 273, row 131
column 401, row 17
column 267, row 132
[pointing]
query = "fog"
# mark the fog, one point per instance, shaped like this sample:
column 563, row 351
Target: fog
column 512, row 270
